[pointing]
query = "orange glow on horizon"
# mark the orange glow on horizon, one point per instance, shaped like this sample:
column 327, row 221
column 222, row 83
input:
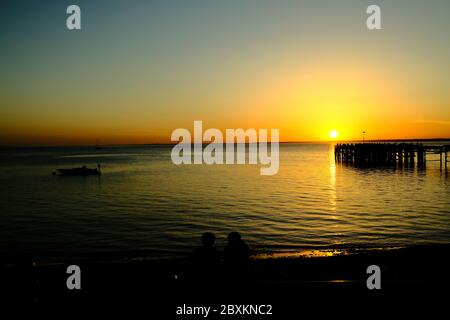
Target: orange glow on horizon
column 319, row 102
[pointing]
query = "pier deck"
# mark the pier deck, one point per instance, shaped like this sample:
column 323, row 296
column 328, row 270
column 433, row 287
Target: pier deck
column 389, row 154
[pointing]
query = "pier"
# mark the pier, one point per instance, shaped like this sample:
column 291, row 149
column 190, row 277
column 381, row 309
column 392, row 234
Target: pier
column 389, row 154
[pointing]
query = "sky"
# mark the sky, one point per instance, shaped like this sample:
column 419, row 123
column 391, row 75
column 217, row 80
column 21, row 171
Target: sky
column 137, row 70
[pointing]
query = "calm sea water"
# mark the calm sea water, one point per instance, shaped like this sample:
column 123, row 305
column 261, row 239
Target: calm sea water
column 144, row 204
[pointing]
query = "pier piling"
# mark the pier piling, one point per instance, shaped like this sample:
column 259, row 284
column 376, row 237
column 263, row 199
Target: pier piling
column 389, row 154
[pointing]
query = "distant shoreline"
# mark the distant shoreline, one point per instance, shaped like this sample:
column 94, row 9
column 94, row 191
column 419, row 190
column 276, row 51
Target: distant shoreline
column 5, row 147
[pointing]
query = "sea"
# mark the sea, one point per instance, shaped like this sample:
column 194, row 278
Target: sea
column 143, row 206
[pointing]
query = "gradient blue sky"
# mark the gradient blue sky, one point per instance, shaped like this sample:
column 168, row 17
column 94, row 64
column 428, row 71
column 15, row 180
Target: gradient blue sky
column 139, row 69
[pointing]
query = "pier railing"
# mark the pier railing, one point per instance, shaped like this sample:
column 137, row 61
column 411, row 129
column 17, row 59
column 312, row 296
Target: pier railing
column 389, row 154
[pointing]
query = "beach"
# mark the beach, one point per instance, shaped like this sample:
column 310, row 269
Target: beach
column 420, row 272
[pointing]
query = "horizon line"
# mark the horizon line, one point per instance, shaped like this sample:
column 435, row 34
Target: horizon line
column 207, row 142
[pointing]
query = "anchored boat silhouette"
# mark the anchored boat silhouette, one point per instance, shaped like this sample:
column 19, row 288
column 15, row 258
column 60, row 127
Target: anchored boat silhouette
column 82, row 171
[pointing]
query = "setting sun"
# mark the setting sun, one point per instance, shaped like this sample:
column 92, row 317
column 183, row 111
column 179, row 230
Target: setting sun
column 333, row 134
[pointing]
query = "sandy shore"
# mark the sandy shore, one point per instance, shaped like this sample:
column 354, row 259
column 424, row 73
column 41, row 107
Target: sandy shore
column 278, row 279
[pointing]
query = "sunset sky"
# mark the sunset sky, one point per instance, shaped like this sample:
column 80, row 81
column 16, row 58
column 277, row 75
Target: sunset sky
column 140, row 69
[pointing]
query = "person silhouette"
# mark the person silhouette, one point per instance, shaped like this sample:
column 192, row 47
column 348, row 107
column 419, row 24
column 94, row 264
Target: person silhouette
column 236, row 256
column 206, row 259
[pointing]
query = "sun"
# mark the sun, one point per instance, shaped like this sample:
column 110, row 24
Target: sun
column 333, row 134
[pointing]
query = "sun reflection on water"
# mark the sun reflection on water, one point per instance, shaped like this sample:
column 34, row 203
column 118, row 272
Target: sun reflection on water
column 300, row 254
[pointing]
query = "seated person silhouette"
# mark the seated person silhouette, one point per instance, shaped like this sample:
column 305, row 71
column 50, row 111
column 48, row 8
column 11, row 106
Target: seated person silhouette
column 236, row 256
column 206, row 259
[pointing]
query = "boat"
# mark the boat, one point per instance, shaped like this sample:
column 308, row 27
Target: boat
column 82, row 171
